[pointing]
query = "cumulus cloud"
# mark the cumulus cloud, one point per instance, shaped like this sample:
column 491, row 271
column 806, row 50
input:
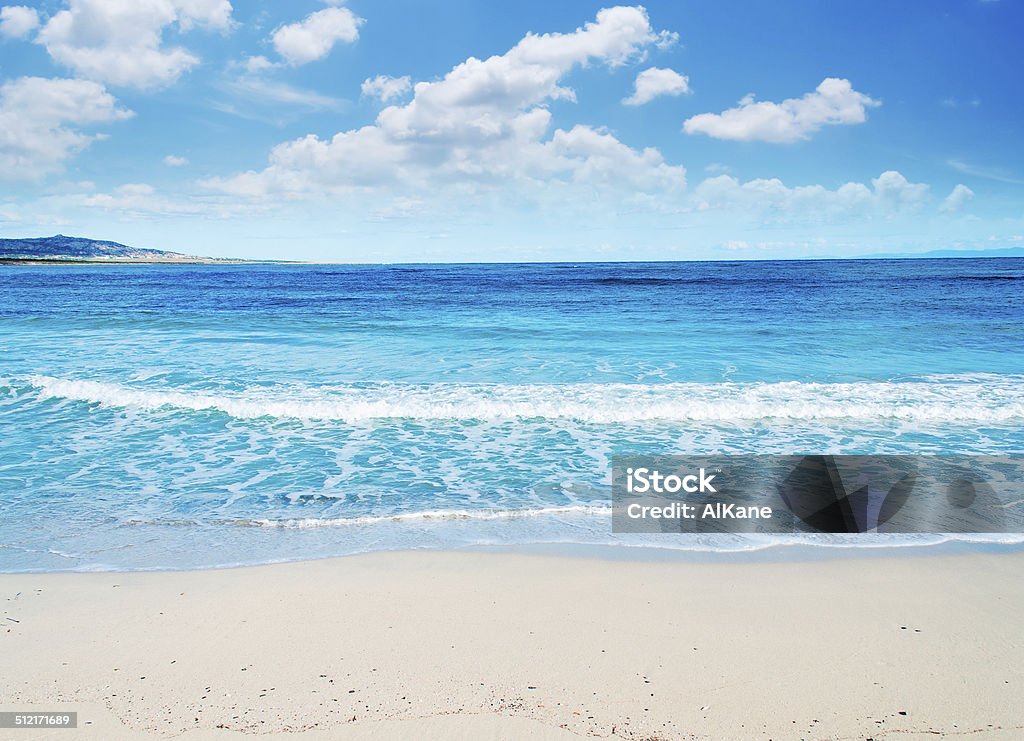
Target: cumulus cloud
column 173, row 160
column 887, row 194
column 484, row 123
column 596, row 157
column 655, row 82
column 833, row 102
column 315, row 35
column 120, row 42
column 957, row 199
column 386, row 88
column 39, row 120
column 17, row 21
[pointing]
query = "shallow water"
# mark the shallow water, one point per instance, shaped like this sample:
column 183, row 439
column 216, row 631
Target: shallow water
column 191, row 416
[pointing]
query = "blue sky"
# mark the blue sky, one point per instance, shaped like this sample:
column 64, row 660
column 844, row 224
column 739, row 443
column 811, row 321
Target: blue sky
column 397, row 130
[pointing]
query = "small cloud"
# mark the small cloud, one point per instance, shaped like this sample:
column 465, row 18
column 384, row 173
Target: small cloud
column 18, row 21
column 957, row 199
column 173, row 160
column 655, row 82
column 666, row 39
column 314, row 36
column 259, row 64
column 717, row 168
column 833, row 102
column 955, row 103
column 386, row 88
column 981, row 171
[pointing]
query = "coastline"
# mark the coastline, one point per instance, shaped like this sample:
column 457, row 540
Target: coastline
column 470, row 644
column 228, row 261
column 192, row 261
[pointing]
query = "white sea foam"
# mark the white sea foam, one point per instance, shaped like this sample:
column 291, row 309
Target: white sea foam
column 967, row 400
column 589, row 524
column 431, row 515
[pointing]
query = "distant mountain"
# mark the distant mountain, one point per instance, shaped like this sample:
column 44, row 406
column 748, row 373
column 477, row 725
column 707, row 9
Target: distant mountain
column 991, row 252
column 60, row 247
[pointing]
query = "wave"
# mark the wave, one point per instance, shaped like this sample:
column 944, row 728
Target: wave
column 450, row 515
column 946, row 399
column 588, row 525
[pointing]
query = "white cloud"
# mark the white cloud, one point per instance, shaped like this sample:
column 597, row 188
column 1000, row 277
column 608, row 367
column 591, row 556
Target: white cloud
column 892, row 188
column 258, row 64
column 997, row 174
column 314, row 36
column 833, row 102
column 255, row 88
column 17, row 21
column 771, row 199
column 142, row 200
column 485, row 123
column 655, row 82
column 385, row 88
column 120, row 42
column 38, row 120
column 173, row 160
column 957, row 198
column 596, row 157
column 954, row 103
column 666, row 39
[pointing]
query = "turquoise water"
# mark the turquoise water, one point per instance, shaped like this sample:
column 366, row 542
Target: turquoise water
column 192, row 416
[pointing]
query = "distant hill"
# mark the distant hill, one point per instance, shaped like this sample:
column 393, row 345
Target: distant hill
column 80, row 249
column 990, row 252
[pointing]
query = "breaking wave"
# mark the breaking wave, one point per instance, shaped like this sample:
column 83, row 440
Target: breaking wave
column 941, row 399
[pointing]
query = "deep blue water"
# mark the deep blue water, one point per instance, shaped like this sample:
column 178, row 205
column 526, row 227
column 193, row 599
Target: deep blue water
column 186, row 416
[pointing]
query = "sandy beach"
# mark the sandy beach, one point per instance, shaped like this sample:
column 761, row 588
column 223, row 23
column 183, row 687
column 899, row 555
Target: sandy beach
column 502, row 645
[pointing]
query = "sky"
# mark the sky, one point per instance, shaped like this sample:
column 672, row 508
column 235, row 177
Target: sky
column 404, row 131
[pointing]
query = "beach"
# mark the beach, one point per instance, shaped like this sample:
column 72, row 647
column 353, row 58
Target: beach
column 385, row 370
column 381, row 508
column 899, row 644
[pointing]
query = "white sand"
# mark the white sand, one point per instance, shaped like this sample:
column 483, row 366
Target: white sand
column 477, row 645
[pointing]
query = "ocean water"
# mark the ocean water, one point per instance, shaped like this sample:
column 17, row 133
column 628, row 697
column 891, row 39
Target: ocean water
column 194, row 416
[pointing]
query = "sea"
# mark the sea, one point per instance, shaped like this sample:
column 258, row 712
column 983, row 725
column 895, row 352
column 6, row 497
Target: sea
column 194, row 416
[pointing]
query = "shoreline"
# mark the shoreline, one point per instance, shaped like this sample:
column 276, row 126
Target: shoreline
column 434, row 644
column 197, row 261
column 609, row 552
column 224, row 261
